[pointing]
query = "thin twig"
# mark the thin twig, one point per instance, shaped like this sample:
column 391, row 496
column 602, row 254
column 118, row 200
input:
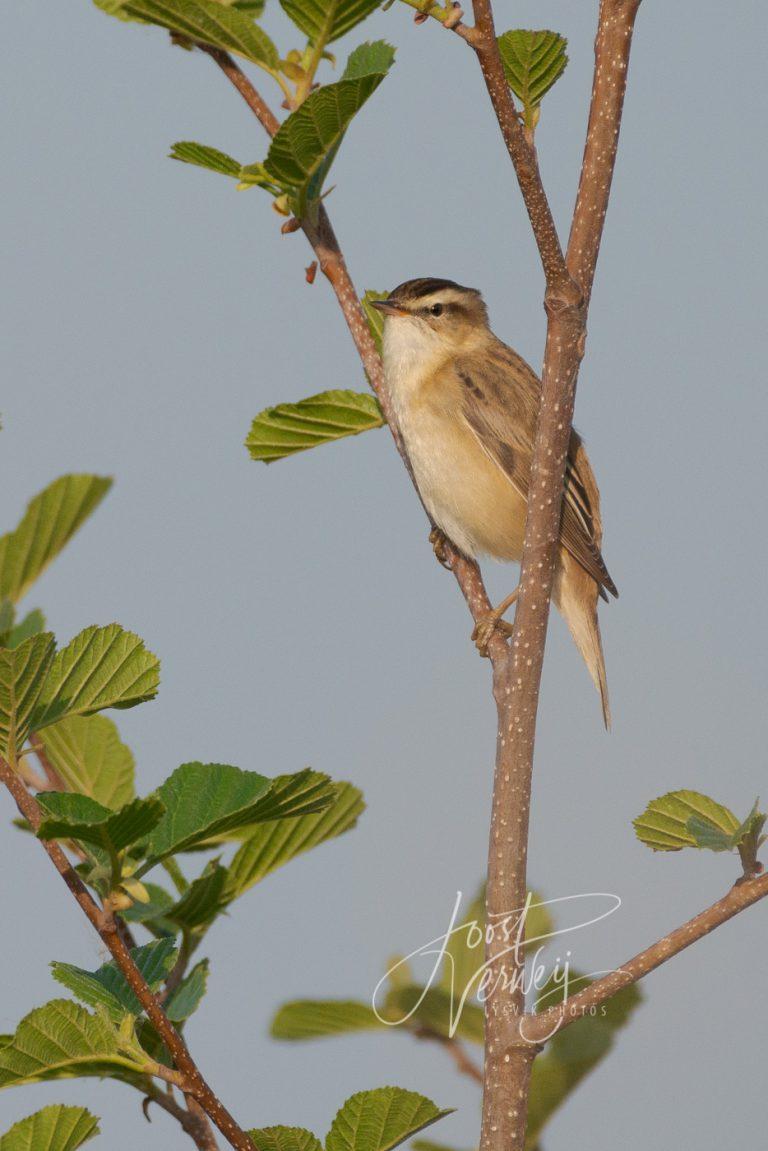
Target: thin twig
column 464, row 1065
column 194, row 1123
column 193, row 1082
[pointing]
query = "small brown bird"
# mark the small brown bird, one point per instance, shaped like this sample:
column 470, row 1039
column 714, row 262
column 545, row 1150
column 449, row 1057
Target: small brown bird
column 466, row 405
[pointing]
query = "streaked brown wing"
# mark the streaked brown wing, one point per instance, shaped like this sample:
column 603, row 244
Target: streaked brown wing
column 500, row 406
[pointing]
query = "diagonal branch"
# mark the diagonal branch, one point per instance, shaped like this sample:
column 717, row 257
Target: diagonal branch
column 330, row 257
column 742, row 895
column 104, row 923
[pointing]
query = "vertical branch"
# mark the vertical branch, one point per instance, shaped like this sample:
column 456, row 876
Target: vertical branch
column 516, row 686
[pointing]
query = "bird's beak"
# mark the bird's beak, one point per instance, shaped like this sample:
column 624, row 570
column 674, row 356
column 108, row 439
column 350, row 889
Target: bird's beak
column 389, row 307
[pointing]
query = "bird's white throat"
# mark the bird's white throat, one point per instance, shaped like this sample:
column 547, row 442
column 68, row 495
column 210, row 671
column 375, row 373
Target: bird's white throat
column 411, row 349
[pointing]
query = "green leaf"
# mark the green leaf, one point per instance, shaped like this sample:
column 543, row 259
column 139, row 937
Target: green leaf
column 273, row 844
column 663, row 826
column 532, row 61
column 378, row 56
column 317, row 1018
column 306, row 143
column 187, row 997
column 32, row 624
column 436, row 1010
column 203, row 899
column 67, row 815
column 285, row 1139
column 381, row 1119
column 115, row 8
column 204, row 157
column 206, row 22
column 23, row 672
column 108, row 987
column 61, row 1040
column 327, row 20
column 290, row 428
column 749, row 839
column 374, row 317
column 254, row 7
column 86, row 752
column 55, row 1128
column 201, row 801
column 50, row 521
column 573, row 1053
column 101, row 667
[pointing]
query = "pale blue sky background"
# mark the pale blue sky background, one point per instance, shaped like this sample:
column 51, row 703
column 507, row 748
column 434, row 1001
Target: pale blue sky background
column 149, row 312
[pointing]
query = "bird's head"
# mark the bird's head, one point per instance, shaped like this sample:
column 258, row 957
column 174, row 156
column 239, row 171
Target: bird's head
column 429, row 316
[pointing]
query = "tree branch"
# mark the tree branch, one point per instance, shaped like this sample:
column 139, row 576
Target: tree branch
column 195, row 1124
column 104, row 923
column 330, row 257
column 508, row 1064
column 464, row 1065
column 743, row 894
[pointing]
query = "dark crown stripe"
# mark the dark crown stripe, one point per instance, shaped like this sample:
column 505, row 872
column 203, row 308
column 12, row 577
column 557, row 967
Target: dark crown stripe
column 416, row 289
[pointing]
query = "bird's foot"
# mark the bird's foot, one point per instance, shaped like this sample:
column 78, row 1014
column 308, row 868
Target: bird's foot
column 490, row 623
column 485, row 627
column 439, row 541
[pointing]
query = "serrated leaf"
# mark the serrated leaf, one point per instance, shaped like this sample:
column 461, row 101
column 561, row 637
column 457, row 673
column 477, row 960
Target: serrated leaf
column 327, row 20
column 108, row 988
column 284, row 1139
column 571, row 1055
column 201, row 801
column 55, row 1128
column 203, row 899
column 207, row 22
column 318, row 1018
column 50, row 521
column 205, row 157
column 374, row 316
column 533, row 62
column 290, row 428
column 32, row 624
column 381, row 1119
column 376, row 56
column 663, row 826
column 23, row 674
column 186, row 999
column 101, row 667
column 67, row 815
column 86, row 752
column 273, row 844
column 305, row 144
column 61, row 1040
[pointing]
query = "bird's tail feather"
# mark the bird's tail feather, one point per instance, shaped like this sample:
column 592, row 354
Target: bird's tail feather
column 575, row 595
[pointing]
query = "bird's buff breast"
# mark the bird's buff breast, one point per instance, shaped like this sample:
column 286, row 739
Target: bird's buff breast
column 465, row 492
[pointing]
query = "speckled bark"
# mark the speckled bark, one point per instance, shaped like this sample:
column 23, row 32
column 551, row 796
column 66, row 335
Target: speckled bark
column 516, row 682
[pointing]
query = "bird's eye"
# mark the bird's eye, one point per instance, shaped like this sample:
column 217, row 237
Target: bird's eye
column 436, row 310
